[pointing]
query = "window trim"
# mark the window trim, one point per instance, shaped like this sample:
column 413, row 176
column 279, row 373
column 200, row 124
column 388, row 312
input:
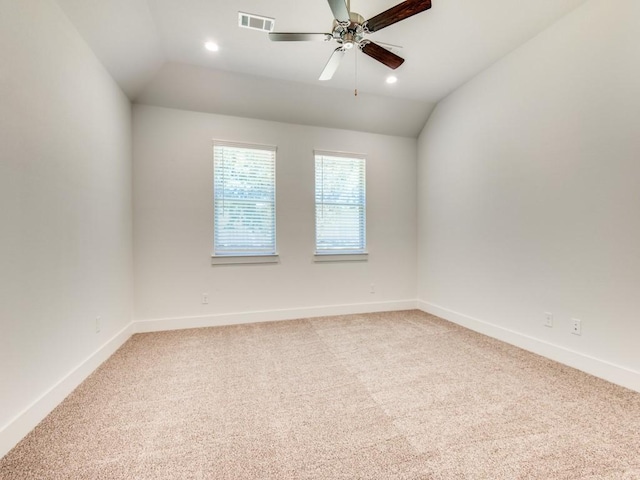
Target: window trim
column 322, row 256
column 250, row 257
column 340, row 257
column 244, row 259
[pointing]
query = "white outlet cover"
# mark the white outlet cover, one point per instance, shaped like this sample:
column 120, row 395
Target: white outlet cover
column 576, row 326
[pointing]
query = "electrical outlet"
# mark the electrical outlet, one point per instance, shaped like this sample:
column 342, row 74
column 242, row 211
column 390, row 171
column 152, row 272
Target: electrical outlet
column 372, row 288
column 548, row 319
column 205, row 298
column 576, row 326
column 98, row 324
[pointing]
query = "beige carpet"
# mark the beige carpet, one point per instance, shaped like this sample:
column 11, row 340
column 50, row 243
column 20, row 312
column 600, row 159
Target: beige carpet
column 400, row 395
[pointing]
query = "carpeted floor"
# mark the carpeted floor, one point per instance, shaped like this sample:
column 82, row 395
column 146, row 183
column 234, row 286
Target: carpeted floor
column 400, row 395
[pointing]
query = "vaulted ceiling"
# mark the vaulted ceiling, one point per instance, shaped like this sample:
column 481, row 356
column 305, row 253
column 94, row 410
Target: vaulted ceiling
column 154, row 50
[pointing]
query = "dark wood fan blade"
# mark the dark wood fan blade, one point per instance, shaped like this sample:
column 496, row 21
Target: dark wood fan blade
column 401, row 11
column 300, row 37
column 382, row 55
column 339, row 10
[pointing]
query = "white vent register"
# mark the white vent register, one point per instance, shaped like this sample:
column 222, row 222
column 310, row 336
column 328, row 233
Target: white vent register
column 256, row 22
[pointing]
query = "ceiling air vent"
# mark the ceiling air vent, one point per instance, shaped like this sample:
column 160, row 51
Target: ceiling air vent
column 255, row 22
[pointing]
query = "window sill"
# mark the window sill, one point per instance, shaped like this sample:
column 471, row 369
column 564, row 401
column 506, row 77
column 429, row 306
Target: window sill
column 340, row 257
column 244, row 259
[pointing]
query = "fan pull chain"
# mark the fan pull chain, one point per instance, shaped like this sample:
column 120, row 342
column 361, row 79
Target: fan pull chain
column 355, row 92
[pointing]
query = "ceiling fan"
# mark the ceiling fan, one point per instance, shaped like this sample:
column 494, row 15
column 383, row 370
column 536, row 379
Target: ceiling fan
column 350, row 28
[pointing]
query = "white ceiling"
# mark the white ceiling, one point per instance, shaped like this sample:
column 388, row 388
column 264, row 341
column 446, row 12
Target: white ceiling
column 154, row 47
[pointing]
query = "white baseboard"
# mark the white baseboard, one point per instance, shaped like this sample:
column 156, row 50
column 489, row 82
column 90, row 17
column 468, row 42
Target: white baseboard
column 25, row 421
column 161, row 324
column 600, row 368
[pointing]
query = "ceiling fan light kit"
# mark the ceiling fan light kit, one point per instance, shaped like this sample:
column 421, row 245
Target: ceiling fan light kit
column 350, row 28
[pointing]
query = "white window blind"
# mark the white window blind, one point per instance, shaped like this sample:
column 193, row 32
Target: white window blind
column 340, row 203
column 244, row 186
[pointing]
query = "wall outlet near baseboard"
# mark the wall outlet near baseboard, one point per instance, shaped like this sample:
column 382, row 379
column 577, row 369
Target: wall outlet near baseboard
column 372, row 288
column 98, row 324
column 548, row 319
column 205, row 298
column 576, row 326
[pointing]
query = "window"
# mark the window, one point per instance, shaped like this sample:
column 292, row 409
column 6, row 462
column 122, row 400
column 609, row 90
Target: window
column 340, row 204
column 244, row 200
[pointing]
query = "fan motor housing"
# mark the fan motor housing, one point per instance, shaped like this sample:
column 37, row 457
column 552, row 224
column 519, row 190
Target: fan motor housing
column 349, row 35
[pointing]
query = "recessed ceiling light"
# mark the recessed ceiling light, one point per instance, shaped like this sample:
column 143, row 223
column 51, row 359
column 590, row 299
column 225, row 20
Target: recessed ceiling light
column 391, row 79
column 212, row 46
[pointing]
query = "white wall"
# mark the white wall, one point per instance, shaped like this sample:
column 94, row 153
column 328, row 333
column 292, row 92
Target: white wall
column 529, row 194
column 65, row 211
column 173, row 234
